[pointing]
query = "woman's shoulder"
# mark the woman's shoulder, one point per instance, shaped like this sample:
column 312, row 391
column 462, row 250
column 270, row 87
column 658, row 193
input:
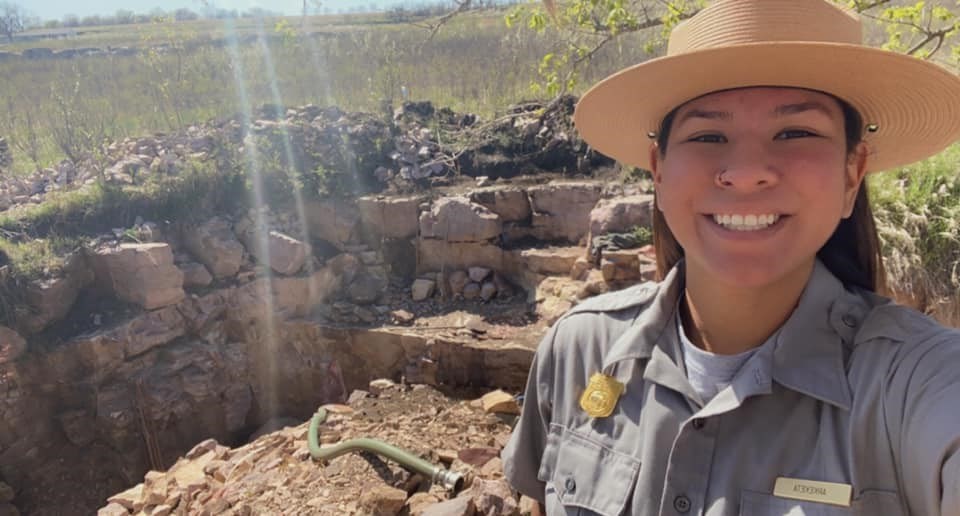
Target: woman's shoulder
column 893, row 322
column 906, row 342
column 629, row 298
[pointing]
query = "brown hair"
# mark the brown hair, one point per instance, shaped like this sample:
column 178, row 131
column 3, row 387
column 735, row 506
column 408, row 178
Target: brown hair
column 852, row 253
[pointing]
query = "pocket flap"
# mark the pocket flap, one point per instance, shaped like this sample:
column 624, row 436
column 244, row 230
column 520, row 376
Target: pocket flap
column 587, row 474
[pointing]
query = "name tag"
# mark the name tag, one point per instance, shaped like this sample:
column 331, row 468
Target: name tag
column 813, row 491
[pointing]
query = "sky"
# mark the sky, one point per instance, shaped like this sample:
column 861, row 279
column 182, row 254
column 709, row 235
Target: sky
column 56, row 9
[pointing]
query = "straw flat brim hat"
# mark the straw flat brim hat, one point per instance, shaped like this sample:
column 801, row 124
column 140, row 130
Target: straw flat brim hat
column 911, row 106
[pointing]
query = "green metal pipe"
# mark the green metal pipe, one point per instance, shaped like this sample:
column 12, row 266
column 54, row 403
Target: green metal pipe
column 448, row 479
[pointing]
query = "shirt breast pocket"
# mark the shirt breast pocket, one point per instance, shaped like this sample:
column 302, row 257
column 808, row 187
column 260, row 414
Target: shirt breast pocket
column 585, row 477
column 869, row 503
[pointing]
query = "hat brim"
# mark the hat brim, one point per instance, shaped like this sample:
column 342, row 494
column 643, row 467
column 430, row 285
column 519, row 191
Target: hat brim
column 914, row 103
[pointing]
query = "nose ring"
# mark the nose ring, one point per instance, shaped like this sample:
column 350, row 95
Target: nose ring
column 722, row 180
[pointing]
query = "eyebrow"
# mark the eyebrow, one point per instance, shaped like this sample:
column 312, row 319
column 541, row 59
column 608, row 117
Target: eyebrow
column 709, row 115
column 792, row 109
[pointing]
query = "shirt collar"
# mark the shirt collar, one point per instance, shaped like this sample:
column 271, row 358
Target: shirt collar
column 809, row 355
column 652, row 322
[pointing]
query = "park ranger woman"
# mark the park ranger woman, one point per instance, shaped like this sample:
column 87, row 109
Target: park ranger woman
column 764, row 374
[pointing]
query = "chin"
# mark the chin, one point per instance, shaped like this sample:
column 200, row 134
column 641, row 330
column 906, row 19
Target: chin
column 751, row 272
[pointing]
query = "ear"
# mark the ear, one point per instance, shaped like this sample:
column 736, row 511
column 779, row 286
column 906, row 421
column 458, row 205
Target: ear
column 655, row 172
column 655, row 162
column 855, row 171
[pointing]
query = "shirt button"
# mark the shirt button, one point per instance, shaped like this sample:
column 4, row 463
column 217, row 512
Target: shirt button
column 681, row 504
column 570, row 485
column 698, row 423
column 849, row 320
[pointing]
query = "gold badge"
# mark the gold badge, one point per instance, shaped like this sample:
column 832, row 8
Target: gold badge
column 601, row 395
column 813, row 491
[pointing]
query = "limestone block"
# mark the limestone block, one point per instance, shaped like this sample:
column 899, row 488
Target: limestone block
column 195, row 274
column 510, row 202
column 487, row 290
column 422, row 289
column 334, row 221
column 215, row 245
column 456, row 219
column 561, row 211
column 383, row 500
column 621, row 214
column 458, row 280
column 478, row 274
column 150, row 330
column 285, row 254
column 499, row 402
column 437, row 255
column 143, row 274
column 471, row 290
column 390, row 217
column 51, row 299
column 551, row 260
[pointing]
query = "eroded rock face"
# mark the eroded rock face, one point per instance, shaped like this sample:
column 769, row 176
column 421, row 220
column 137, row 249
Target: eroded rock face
column 214, row 245
column 143, row 274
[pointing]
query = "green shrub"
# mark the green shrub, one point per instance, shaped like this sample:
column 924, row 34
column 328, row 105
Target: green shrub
column 918, row 215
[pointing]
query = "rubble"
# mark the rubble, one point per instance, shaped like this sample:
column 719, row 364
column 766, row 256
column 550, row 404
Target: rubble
column 275, row 474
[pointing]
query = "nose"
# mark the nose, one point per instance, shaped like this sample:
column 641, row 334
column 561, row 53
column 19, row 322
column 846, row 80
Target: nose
column 748, row 170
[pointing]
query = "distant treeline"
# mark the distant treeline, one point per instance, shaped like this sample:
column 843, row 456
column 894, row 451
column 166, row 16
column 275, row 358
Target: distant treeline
column 396, row 13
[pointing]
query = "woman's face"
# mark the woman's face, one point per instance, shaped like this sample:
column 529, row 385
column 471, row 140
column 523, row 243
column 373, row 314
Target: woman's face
column 755, row 180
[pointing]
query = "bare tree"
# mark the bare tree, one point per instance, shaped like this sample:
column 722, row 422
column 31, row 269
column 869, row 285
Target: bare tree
column 12, row 19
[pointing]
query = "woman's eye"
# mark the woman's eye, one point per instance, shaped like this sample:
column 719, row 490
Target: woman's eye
column 709, row 138
column 793, row 133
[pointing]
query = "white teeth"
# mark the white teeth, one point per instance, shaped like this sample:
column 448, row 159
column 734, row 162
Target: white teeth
column 746, row 222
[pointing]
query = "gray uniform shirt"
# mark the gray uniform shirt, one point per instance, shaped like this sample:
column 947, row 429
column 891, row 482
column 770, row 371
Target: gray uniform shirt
column 856, row 390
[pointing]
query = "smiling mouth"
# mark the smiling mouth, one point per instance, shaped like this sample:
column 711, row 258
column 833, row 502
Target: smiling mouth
column 752, row 222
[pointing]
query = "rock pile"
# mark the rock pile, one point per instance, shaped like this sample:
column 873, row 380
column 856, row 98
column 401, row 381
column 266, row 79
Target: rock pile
column 364, row 153
column 275, row 473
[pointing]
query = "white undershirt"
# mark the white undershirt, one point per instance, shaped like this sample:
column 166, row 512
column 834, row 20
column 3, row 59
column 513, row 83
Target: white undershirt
column 709, row 373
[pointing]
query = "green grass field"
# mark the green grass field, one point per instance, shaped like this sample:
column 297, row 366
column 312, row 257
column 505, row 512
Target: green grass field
column 55, row 108
column 52, row 109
